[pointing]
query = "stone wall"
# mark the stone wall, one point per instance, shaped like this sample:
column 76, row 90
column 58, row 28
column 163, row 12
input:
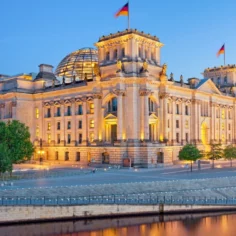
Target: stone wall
column 44, row 213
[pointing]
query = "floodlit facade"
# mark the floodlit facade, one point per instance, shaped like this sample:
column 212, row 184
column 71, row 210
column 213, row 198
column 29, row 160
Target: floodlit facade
column 116, row 104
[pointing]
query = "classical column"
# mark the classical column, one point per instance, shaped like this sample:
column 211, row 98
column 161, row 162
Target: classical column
column 212, row 121
column 144, row 93
column 220, row 127
column 132, row 112
column 194, row 121
column 182, row 126
column 13, row 105
column 2, row 106
column 85, row 122
column 226, row 125
column 120, row 114
column 163, row 116
column 97, row 120
column 173, row 121
column 62, row 123
column 73, row 122
column 199, row 124
column 52, row 123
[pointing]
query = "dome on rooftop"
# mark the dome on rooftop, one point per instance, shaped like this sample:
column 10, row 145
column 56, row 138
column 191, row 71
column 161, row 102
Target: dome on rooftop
column 79, row 63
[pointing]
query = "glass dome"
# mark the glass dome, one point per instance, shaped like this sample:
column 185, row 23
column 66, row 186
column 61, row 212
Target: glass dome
column 79, row 64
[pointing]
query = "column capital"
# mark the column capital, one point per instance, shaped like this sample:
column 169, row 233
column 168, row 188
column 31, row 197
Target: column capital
column 119, row 92
column 144, row 92
column 97, row 96
column 165, row 95
column 2, row 105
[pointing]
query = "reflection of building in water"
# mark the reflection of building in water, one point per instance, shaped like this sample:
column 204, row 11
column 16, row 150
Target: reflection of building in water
column 116, row 103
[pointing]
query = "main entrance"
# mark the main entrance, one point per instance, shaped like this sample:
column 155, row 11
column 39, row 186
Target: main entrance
column 113, row 133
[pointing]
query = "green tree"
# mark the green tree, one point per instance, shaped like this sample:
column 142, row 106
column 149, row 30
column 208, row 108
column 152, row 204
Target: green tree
column 230, row 153
column 16, row 144
column 5, row 162
column 215, row 153
column 189, row 153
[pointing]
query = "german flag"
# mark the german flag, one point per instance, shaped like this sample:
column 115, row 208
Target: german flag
column 124, row 11
column 221, row 51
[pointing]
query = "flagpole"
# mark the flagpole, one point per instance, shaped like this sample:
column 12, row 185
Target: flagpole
column 128, row 16
column 224, row 55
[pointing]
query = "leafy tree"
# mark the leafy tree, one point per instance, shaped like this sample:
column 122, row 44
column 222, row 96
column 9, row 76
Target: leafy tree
column 230, row 153
column 16, row 144
column 189, row 153
column 5, row 162
column 215, row 153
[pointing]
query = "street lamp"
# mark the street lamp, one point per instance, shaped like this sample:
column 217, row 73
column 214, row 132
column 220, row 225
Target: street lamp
column 41, row 153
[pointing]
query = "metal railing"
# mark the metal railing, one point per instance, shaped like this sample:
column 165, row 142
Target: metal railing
column 130, row 199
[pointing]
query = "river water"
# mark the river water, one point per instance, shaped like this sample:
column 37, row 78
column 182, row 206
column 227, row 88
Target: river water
column 169, row 225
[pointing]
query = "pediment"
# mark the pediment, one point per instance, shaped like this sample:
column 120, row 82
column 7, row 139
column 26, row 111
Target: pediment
column 208, row 86
column 110, row 117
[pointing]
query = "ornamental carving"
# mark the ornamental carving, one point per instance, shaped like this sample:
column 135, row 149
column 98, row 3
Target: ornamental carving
column 165, row 95
column 46, row 104
column 56, row 103
column 119, row 92
column 144, row 92
column 2, row 105
column 84, row 99
column 72, row 100
column 97, row 96
column 78, row 100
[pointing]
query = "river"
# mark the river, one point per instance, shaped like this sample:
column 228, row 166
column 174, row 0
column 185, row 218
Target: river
column 212, row 224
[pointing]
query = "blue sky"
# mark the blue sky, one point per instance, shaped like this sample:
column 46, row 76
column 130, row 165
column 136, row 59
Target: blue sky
column 35, row 32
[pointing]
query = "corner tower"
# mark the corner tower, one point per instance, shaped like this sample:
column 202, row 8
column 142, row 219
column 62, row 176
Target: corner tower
column 130, row 52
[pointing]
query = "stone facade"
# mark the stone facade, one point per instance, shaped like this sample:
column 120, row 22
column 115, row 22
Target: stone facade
column 128, row 110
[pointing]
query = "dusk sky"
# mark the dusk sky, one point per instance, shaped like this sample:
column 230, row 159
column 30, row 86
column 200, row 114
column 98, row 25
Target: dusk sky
column 45, row 31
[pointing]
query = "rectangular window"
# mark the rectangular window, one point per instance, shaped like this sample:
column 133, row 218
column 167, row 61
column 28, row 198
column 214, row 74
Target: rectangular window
column 58, row 125
column 91, row 137
column 56, row 156
column 115, row 54
column 68, row 138
column 123, row 52
column 177, row 124
column 91, row 108
column 80, row 110
column 49, row 138
column 229, row 115
column 49, row 126
column 77, row 156
column 80, row 138
column 139, row 51
column 67, row 156
column 69, row 110
column 36, row 113
column 186, row 110
column 177, row 109
column 80, row 124
column 49, row 112
column 229, row 138
column 37, row 131
column 177, row 137
column 229, row 127
column 58, row 111
column 168, row 108
column 107, row 56
column 68, row 125
column 186, row 137
column 91, row 123
column 168, row 122
column 58, row 138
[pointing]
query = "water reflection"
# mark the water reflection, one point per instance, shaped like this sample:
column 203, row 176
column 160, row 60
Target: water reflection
column 169, row 225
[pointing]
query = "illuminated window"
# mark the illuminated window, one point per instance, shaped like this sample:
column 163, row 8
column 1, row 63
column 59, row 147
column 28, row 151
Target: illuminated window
column 223, row 126
column 186, row 124
column 49, row 138
column 37, row 131
column 223, row 137
column 49, row 126
column 223, row 114
column 91, row 108
column 91, row 137
column 36, row 113
column 91, row 123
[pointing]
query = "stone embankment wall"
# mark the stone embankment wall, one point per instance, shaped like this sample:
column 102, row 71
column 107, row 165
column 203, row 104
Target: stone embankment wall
column 43, row 213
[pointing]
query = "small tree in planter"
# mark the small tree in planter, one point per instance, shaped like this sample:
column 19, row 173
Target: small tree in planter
column 189, row 153
column 230, row 153
column 215, row 153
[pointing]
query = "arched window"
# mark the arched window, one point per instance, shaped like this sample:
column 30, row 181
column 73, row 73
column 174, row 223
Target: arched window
column 225, row 80
column 112, row 105
column 115, row 54
column 150, row 105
